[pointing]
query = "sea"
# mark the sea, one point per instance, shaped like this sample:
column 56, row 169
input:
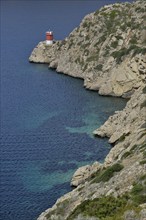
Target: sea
column 47, row 119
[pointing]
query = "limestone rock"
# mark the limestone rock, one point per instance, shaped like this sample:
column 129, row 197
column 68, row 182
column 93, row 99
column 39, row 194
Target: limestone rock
column 114, row 64
column 105, row 62
column 82, row 173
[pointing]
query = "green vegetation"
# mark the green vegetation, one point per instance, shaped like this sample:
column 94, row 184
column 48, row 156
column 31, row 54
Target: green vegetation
column 106, row 174
column 85, row 67
column 99, row 67
column 133, row 40
column 113, row 14
column 119, row 37
column 126, row 154
column 114, row 44
column 144, row 90
column 142, row 162
column 71, row 43
column 87, row 24
column 134, row 147
column 142, row 177
column 102, row 207
column 139, row 9
column 94, row 57
column 122, row 138
column 111, row 208
column 144, row 153
column 125, row 51
column 142, row 134
column 105, row 208
column 79, row 61
column 61, row 208
column 138, row 192
column 96, row 13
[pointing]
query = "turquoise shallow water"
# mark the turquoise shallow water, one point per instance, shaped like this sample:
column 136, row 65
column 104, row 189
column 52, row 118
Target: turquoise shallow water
column 47, row 118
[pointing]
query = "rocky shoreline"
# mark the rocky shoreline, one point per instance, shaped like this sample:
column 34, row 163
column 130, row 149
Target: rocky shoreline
column 111, row 58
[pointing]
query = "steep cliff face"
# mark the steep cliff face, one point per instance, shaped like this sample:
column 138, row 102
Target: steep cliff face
column 123, row 170
column 108, row 51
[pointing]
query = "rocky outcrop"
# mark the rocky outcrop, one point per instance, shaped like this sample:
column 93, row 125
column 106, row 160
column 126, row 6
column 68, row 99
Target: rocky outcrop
column 108, row 51
column 127, row 129
column 83, row 173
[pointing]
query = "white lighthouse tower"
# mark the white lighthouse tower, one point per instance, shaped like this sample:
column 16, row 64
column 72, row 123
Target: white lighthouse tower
column 49, row 37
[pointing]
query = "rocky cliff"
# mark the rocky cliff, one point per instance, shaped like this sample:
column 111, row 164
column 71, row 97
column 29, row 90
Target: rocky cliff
column 108, row 51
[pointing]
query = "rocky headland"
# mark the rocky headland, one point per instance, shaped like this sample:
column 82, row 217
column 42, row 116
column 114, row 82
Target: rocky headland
column 108, row 51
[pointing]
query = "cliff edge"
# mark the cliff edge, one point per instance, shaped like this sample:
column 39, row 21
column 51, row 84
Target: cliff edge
column 108, row 51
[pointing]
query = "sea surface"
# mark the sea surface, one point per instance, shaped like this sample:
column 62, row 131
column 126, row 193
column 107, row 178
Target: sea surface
column 47, row 118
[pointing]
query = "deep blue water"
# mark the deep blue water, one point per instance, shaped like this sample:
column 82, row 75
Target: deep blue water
column 47, row 118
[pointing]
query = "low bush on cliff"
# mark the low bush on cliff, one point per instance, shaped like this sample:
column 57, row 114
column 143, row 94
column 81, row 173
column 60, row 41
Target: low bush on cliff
column 104, row 208
column 138, row 192
column 111, row 208
column 144, row 90
column 134, row 49
column 108, row 173
column 126, row 154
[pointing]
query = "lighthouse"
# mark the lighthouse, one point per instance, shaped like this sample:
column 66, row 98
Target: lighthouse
column 49, row 37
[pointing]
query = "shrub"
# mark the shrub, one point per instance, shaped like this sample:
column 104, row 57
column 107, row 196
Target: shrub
column 99, row 67
column 143, row 177
column 96, row 13
column 144, row 90
column 113, row 14
column 100, row 207
column 126, row 154
column 125, row 51
column 114, row 44
column 138, row 193
column 133, row 40
column 108, row 173
column 137, row 188
column 119, row 37
column 122, row 138
column 142, row 162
